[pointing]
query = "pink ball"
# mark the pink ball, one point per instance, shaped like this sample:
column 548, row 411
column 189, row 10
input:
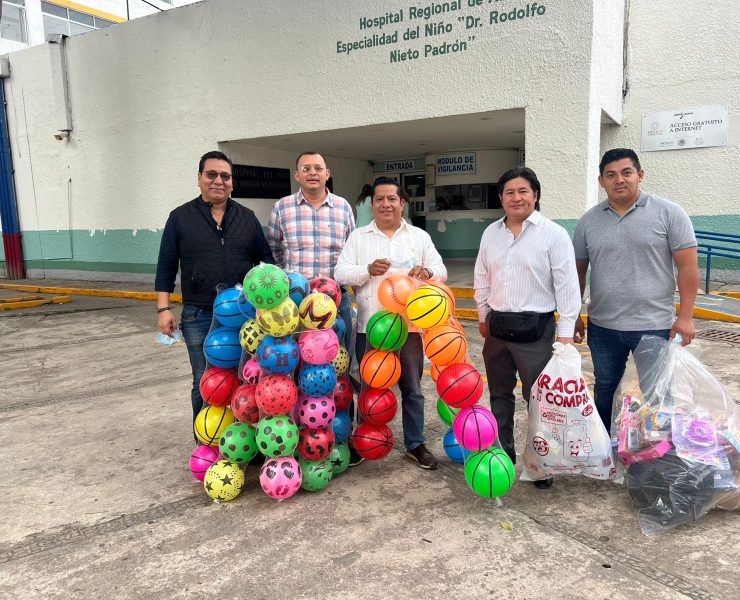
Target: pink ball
column 316, row 413
column 280, row 478
column 251, row 372
column 202, row 458
column 475, row 428
column 318, row 346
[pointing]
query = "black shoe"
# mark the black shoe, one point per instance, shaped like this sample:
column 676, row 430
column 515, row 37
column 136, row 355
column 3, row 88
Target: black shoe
column 354, row 457
column 543, row 484
column 423, row 457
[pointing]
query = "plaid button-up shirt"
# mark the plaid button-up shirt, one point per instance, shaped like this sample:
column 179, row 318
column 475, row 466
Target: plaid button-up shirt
column 306, row 240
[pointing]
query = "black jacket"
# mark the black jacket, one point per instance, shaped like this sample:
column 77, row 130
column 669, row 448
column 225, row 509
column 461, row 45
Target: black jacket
column 209, row 255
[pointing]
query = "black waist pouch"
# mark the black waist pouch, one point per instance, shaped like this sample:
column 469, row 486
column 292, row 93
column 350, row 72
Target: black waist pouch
column 520, row 327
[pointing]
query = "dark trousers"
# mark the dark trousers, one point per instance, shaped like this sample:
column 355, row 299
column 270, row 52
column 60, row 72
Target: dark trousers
column 503, row 360
column 411, row 357
column 195, row 324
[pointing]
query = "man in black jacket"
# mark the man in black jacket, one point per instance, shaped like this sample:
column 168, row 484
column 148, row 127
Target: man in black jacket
column 213, row 240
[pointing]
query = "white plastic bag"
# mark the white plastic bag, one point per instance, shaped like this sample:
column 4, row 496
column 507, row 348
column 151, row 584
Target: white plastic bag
column 565, row 435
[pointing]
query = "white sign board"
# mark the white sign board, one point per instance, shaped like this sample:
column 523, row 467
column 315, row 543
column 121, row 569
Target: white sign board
column 685, row 128
column 459, row 163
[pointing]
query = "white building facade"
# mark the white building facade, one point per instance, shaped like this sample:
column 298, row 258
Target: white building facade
column 26, row 23
column 106, row 128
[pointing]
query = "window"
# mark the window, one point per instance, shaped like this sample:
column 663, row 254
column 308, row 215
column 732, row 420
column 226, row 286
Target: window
column 58, row 19
column 13, row 23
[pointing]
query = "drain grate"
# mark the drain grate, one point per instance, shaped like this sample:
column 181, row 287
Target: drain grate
column 720, row 335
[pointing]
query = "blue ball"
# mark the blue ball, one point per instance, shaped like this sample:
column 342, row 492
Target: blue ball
column 298, row 287
column 317, row 380
column 246, row 307
column 342, row 427
column 452, row 449
column 226, row 309
column 278, row 354
column 222, row 347
column 340, row 329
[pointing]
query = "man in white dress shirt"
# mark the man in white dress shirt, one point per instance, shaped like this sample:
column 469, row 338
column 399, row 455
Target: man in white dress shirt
column 390, row 245
column 525, row 270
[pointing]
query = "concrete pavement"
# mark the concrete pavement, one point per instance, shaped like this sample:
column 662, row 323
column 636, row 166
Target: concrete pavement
column 98, row 499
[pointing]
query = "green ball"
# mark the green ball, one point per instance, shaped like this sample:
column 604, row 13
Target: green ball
column 238, row 443
column 387, row 331
column 266, row 286
column 316, row 474
column 277, row 436
column 489, row 473
column 446, row 412
column 339, row 458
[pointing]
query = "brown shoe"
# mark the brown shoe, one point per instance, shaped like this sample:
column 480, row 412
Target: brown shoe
column 423, row 457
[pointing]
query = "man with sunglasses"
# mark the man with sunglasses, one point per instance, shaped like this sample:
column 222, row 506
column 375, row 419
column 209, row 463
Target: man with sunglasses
column 213, row 241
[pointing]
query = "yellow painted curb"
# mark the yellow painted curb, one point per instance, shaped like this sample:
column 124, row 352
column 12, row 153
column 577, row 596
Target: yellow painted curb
column 35, row 303
column 735, row 295
column 19, row 299
column 711, row 315
column 467, row 314
column 87, row 292
column 463, row 293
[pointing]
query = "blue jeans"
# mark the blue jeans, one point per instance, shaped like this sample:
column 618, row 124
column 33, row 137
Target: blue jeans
column 610, row 350
column 412, row 399
column 195, row 324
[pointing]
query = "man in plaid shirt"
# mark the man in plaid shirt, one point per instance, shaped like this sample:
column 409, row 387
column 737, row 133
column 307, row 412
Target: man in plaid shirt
column 308, row 229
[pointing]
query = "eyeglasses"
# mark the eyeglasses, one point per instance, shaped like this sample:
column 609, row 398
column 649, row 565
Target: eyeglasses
column 212, row 175
column 309, row 168
column 389, row 199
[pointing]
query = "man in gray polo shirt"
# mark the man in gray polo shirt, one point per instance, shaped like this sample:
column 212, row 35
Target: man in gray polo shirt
column 632, row 240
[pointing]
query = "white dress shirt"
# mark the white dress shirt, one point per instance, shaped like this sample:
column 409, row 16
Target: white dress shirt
column 407, row 247
column 533, row 272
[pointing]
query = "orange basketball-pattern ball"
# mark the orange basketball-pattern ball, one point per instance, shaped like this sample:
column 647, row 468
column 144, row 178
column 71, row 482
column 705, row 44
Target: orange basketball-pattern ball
column 447, row 292
column 427, row 307
column 394, row 291
column 445, row 345
column 380, row 369
column 435, row 371
column 453, row 322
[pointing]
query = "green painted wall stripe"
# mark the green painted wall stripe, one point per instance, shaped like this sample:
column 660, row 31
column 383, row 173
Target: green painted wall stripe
column 135, row 251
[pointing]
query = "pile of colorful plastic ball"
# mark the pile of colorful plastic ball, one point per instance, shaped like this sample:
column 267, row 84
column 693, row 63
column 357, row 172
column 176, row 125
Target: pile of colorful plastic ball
column 471, row 438
column 275, row 386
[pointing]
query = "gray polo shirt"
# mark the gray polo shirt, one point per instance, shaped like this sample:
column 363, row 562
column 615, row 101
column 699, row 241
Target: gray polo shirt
column 632, row 279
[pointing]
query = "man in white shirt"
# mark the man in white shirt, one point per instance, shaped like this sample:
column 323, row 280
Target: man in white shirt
column 390, row 245
column 525, row 270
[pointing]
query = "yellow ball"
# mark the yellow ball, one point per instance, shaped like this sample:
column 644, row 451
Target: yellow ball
column 279, row 321
column 251, row 336
column 317, row 311
column 210, row 424
column 224, row 480
column 341, row 361
column 427, row 307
